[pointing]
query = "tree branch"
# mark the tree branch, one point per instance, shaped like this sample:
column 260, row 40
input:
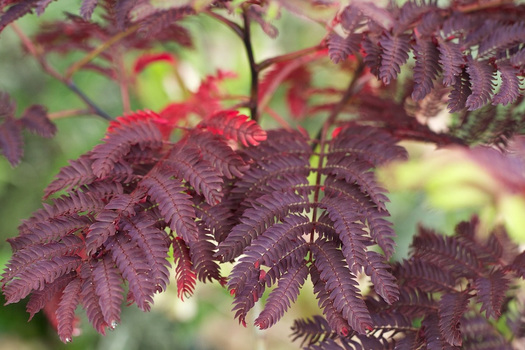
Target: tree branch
column 37, row 54
column 233, row 26
column 87, row 100
column 67, row 113
column 98, row 50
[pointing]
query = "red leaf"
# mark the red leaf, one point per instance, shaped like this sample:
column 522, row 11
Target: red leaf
column 145, row 60
column 164, row 126
column 235, row 126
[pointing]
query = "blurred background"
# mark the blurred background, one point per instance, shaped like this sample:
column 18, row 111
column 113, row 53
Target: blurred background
column 204, row 321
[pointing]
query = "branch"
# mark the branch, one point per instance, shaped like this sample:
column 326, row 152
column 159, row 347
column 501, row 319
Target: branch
column 98, row 50
column 36, row 52
column 254, row 89
column 87, row 100
column 322, row 136
column 233, row 26
column 483, row 5
column 123, row 81
column 67, row 113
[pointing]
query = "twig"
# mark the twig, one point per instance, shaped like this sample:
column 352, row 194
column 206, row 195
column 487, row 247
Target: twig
column 278, row 119
column 68, row 113
column 483, row 5
column 322, row 136
column 37, row 54
column 98, row 50
column 233, row 26
column 339, row 106
column 254, row 73
column 123, row 82
column 87, row 100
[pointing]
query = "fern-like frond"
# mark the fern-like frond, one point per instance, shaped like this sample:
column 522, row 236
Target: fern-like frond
column 160, row 20
column 122, row 8
column 16, row 11
column 461, row 91
column 35, row 120
column 509, row 90
column 35, row 276
column 269, row 248
column 267, row 209
column 118, row 143
column 451, row 59
column 394, row 55
column 50, row 231
column 351, row 18
column 154, row 243
column 341, row 285
column 90, row 299
column 340, row 48
column 87, row 8
column 481, row 79
column 32, row 254
column 502, row 37
column 451, row 308
column 358, row 172
column 311, row 330
column 282, row 296
column 372, row 54
column 40, row 298
column 337, row 323
column 350, row 232
column 65, row 312
column 107, row 220
column 426, row 68
column 384, row 282
column 432, row 336
column 235, row 126
column 108, row 282
column 78, row 173
column 11, row 142
column 426, row 276
column 202, row 256
column 184, row 273
column 491, row 292
column 216, row 152
column 446, row 252
column 280, row 173
column 174, row 204
column 218, row 219
column 134, row 267
column 188, row 164
column 369, row 144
